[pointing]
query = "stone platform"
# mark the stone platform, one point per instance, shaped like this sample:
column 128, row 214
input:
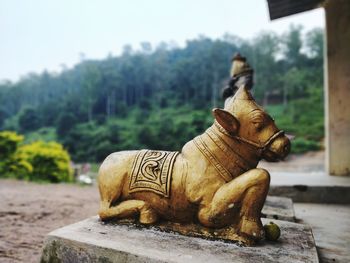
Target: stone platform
column 311, row 187
column 280, row 208
column 92, row 241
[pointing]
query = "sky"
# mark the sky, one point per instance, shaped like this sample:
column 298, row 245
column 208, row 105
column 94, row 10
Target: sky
column 46, row 34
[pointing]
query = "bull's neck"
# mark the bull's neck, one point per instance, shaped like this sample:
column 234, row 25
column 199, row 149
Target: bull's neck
column 229, row 156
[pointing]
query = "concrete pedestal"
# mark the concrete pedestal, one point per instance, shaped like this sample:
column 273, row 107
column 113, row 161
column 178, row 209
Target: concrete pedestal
column 337, row 80
column 280, row 208
column 92, row 241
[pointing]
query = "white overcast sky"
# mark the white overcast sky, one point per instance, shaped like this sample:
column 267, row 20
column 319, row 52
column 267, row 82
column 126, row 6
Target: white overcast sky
column 44, row 34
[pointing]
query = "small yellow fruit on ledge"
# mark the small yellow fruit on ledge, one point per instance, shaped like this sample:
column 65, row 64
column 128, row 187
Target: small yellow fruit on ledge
column 272, row 231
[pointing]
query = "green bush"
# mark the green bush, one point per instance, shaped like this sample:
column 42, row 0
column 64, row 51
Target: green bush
column 44, row 161
column 301, row 145
column 15, row 167
column 8, row 143
column 303, row 118
column 28, row 119
column 90, row 142
column 45, row 134
column 49, row 160
column 10, row 163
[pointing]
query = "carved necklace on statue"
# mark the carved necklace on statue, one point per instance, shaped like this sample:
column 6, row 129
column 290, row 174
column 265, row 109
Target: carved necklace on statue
column 226, row 160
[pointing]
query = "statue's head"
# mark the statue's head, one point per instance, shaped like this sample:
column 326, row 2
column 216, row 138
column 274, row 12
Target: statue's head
column 244, row 120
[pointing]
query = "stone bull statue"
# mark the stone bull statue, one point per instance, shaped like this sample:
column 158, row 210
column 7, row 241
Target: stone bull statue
column 213, row 180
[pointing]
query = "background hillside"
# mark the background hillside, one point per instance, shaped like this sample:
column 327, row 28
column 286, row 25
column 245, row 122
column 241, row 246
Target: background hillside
column 161, row 97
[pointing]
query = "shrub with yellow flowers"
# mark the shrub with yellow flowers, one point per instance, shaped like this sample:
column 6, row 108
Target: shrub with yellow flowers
column 43, row 161
column 9, row 142
column 11, row 165
column 49, row 160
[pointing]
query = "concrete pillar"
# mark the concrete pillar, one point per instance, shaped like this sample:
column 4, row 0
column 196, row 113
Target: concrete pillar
column 337, row 86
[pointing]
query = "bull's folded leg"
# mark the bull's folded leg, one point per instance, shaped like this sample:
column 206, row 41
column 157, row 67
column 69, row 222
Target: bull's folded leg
column 127, row 209
column 252, row 203
column 248, row 190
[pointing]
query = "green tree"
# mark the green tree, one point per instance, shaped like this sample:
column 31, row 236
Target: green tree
column 3, row 117
column 90, row 84
column 314, row 43
column 145, row 92
column 28, row 119
column 292, row 46
column 263, row 55
column 65, row 123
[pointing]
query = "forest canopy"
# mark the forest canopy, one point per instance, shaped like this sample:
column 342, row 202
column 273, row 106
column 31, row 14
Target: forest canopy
column 162, row 97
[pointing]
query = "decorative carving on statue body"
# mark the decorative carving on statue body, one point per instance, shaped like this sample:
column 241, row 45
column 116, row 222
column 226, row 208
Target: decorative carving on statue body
column 213, row 182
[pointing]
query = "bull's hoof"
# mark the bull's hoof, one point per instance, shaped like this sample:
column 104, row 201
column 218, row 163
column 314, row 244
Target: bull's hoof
column 148, row 216
column 251, row 228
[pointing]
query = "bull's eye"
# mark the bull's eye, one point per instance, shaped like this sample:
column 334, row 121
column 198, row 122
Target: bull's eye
column 258, row 125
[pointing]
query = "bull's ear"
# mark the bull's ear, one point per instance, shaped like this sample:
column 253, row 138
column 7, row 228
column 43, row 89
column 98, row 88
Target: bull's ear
column 226, row 120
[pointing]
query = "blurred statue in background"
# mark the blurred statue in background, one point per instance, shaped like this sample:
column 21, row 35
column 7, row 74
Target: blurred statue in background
column 211, row 188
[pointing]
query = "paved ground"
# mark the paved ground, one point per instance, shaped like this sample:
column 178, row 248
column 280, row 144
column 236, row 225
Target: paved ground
column 331, row 228
column 308, row 162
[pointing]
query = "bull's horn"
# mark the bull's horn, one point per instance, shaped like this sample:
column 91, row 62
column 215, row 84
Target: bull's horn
column 243, row 94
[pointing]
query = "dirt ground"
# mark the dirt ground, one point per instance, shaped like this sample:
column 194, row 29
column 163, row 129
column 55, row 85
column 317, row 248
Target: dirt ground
column 28, row 211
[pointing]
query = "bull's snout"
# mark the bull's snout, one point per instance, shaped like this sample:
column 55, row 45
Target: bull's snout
column 278, row 150
column 286, row 146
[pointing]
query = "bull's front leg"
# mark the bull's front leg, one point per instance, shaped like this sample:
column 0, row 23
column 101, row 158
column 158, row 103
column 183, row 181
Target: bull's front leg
column 247, row 192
